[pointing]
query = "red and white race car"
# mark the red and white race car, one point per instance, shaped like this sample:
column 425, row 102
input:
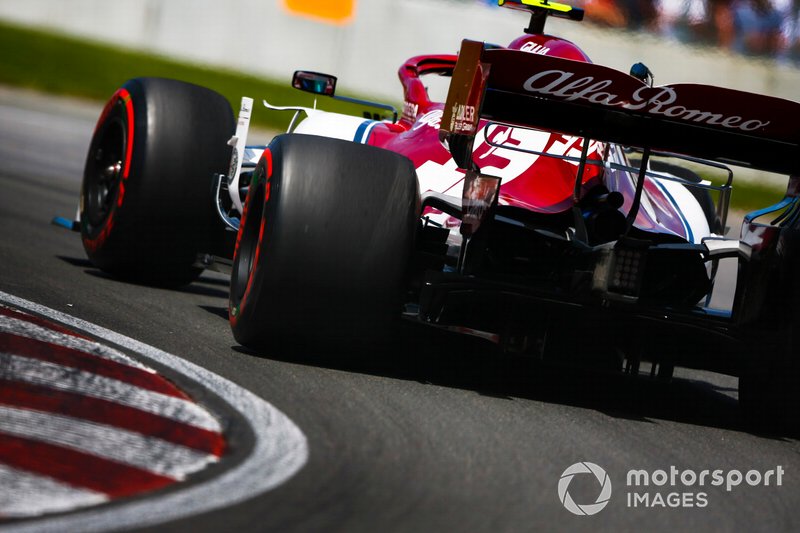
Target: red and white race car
column 534, row 208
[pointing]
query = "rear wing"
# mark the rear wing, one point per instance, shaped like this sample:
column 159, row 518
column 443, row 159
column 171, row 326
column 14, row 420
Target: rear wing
column 601, row 103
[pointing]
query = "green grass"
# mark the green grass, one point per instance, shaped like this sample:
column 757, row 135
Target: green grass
column 64, row 65
column 749, row 196
column 746, row 194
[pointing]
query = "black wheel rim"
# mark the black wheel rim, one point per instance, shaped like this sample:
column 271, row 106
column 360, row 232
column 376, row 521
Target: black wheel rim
column 104, row 172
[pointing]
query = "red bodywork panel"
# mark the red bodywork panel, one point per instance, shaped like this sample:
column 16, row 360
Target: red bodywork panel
column 537, row 183
column 555, row 87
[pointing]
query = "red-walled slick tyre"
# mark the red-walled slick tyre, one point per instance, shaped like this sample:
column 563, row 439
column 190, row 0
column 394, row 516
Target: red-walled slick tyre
column 324, row 243
column 146, row 202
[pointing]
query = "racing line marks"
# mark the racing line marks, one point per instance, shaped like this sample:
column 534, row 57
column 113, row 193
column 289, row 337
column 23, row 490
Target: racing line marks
column 82, row 423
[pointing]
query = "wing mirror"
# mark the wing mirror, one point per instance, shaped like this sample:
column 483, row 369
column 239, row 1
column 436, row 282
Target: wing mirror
column 314, row 82
column 325, row 85
column 641, row 72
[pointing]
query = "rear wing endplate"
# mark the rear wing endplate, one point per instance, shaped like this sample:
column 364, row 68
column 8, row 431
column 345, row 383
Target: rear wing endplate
column 601, row 103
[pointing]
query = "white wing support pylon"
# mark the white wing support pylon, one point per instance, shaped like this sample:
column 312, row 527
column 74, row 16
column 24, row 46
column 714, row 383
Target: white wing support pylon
column 238, row 142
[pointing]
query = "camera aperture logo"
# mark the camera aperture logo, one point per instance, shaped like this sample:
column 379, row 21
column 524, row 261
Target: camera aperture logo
column 587, row 509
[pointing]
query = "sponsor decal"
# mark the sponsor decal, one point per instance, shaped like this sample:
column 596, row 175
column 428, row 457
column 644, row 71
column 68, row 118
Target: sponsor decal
column 533, row 48
column 463, row 119
column 246, row 107
column 653, row 100
column 409, row 111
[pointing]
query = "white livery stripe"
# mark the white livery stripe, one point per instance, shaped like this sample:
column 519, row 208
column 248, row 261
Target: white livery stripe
column 687, row 208
column 107, row 442
column 69, row 379
column 23, row 328
column 26, row 494
column 364, row 131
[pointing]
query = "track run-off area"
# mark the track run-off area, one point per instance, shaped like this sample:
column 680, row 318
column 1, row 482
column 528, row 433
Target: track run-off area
column 438, row 434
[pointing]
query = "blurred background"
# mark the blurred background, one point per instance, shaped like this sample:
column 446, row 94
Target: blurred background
column 748, row 44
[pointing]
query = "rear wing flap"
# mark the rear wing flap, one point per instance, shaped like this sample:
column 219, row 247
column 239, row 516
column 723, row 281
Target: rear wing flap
column 601, row 103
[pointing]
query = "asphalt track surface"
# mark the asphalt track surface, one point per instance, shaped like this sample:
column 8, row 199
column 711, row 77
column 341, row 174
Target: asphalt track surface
column 446, row 438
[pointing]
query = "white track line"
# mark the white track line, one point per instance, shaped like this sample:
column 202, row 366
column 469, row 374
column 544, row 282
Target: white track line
column 107, row 442
column 24, row 494
column 279, row 451
column 69, row 379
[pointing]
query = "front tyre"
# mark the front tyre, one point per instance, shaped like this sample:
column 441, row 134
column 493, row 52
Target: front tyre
column 324, row 244
column 146, row 202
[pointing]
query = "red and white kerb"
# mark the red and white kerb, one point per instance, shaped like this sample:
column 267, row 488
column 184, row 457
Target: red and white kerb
column 81, row 423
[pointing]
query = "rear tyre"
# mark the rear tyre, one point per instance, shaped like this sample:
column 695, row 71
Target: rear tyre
column 146, row 201
column 324, row 243
column 769, row 384
column 768, row 395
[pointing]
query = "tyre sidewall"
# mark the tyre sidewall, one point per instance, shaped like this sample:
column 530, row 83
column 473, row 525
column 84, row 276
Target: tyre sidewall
column 162, row 216
column 338, row 228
